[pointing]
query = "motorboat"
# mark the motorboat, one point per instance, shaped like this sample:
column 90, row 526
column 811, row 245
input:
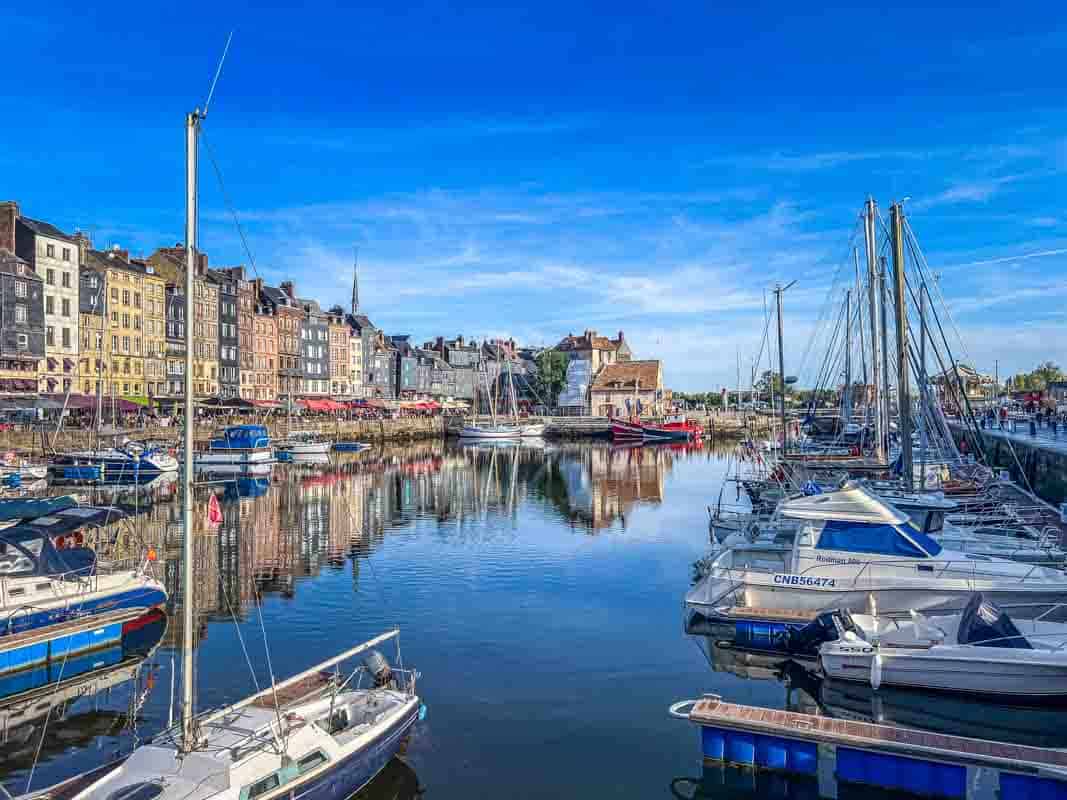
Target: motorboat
column 982, row 651
column 851, row 548
column 532, row 430
column 237, row 445
column 128, row 460
column 303, row 443
column 48, row 577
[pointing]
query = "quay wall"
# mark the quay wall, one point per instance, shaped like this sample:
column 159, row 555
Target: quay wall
column 1037, row 462
column 386, row 430
column 30, row 440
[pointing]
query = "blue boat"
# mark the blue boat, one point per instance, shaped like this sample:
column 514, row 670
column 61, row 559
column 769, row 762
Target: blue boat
column 350, row 447
column 75, row 649
column 126, row 462
column 241, row 445
column 33, row 507
column 834, row 753
column 48, row 578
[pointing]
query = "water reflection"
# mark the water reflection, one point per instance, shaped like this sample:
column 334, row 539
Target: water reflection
column 471, row 548
column 282, row 529
column 48, row 710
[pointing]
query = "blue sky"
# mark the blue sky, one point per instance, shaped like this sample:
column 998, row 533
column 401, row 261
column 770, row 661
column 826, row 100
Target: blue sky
column 534, row 171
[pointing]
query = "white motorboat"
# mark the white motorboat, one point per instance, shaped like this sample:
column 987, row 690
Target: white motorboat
column 850, row 547
column 237, row 445
column 532, row 430
column 981, row 651
column 303, row 443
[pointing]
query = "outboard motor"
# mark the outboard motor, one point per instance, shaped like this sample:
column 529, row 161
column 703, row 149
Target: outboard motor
column 984, row 625
column 826, row 627
column 380, row 670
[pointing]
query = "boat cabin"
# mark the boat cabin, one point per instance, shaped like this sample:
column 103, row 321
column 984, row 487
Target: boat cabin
column 241, row 437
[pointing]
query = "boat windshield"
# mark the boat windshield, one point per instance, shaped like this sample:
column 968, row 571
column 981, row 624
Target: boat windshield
column 857, row 537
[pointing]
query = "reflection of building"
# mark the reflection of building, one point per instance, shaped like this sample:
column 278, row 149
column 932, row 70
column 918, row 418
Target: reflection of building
column 607, row 483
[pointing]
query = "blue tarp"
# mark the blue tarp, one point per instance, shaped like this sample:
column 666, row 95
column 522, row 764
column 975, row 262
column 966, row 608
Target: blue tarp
column 858, row 537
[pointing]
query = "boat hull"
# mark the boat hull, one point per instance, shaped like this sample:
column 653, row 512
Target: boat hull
column 359, row 768
column 948, row 669
column 532, row 431
column 212, row 458
column 892, row 597
column 306, row 448
column 475, row 432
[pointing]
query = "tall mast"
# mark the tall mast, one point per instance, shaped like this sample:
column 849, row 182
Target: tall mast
column 901, row 314
column 846, row 396
column 923, row 435
column 872, row 285
column 884, row 335
column 778, row 292
column 192, row 129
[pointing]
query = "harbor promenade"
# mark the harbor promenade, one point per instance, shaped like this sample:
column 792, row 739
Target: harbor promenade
column 1037, row 460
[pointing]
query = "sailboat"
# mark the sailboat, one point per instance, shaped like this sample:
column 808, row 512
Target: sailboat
column 496, row 430
column 317, row 735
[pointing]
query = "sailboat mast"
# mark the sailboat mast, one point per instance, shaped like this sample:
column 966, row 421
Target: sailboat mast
column 885, row 352
column 923, row 435
column 872, row 286
column 896, row 214
column 781, row 364
column 192, row 123
column 846, row 395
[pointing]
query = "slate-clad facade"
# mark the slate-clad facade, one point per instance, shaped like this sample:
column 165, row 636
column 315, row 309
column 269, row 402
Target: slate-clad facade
column 314, row 349
column 229, row 335
column 21, row 324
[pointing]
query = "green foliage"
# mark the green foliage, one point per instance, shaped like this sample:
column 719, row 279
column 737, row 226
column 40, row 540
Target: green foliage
column 551, row 376
column 1036, row 380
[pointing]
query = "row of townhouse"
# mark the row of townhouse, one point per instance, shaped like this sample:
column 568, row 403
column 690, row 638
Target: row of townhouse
column 79, row 320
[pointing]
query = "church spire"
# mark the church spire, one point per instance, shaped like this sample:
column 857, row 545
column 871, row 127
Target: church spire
column 355, row 284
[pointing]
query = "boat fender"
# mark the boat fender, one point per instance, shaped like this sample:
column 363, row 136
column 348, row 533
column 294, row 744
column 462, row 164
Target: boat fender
column 876, row 671
column 422, row 711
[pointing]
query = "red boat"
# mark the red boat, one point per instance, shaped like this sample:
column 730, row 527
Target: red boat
column 676, row 429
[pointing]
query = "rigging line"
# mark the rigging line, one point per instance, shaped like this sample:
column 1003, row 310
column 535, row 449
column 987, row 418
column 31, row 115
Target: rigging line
column 229, row 204
column 237, row 627
column 924, row 268
column 828, row 303
column 270, row 670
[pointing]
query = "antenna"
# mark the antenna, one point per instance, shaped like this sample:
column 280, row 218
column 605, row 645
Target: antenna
column 218, row 72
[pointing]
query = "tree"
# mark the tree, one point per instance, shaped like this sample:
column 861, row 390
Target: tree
column 551, row 377
column 1046, row 373
column 768, row 381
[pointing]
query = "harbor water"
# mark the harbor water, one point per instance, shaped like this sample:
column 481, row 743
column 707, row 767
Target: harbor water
column 538, row 588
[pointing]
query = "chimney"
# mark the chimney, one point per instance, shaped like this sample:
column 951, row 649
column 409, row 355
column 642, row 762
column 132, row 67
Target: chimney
column 288, row 288
column 459, row 340
column 117, row 252
column 621, row 338
column 9, row 213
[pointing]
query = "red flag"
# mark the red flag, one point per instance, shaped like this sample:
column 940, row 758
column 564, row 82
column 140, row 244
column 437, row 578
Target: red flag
column 214, row 512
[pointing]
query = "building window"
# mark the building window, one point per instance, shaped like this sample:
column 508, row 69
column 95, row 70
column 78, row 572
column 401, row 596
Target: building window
column 20, row 288
column 126, row 346
column 115, row 297
column 49, row 305
column 50, row 277
column 66, row 337
column 20, row 315
column 24, row 339
column 66, row 254
column 50, row 250
column 66, row 307
column 50, row 335
column 125, row 297
column 136, row 299
column 66, row 280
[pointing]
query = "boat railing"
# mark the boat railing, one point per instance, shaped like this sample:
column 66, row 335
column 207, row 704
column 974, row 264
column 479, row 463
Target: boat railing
column 866, row 576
